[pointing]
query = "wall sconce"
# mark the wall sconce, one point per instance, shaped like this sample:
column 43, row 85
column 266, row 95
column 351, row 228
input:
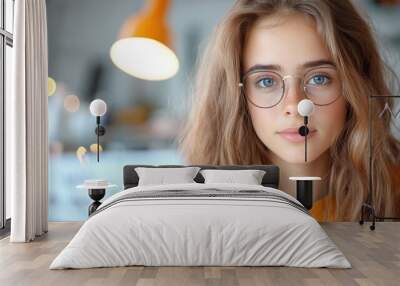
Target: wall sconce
column 98, row 108
column 305, row 109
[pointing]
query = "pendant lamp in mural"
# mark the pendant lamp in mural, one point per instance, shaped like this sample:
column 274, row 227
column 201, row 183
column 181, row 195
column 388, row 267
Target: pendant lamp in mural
column 144, row 47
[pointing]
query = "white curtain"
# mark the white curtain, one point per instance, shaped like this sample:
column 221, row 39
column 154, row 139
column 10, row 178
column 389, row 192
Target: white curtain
column 26, row 122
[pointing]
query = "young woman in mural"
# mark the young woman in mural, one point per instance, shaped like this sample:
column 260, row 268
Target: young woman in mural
column 265, row 57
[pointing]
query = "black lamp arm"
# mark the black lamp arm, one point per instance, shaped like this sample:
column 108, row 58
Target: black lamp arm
column 100, row 131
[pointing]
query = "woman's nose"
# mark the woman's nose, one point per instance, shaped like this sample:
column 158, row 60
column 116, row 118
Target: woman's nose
column 293, row 95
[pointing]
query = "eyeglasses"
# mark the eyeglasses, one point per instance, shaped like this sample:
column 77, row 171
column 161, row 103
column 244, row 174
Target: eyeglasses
column 266, row 89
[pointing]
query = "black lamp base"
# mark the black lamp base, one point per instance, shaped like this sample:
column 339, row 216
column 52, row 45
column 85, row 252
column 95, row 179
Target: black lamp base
column 96, row 195
column 304, row 193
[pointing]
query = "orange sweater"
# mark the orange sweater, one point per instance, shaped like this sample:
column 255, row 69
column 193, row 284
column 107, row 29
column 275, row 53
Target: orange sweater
column 319, row 206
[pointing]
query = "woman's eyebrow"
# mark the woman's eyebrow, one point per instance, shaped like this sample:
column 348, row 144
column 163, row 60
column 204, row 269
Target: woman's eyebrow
column 263, row 67
column 317, row 63
column 306, row 65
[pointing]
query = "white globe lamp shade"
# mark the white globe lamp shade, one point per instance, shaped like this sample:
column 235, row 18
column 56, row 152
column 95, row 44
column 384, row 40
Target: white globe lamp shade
column 98, row 107
column 305, row 107
column 144, row 58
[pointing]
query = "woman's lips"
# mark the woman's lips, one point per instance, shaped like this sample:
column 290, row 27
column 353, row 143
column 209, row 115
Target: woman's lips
column 292, row 135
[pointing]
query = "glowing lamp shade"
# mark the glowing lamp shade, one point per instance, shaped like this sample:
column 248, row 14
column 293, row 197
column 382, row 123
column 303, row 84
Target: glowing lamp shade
column 93, row 148
column 71, row 103
column 144, row 49
column 98, row 107
column 144, row 58
column 80, row 153
column 305, row 107
column 51, row 86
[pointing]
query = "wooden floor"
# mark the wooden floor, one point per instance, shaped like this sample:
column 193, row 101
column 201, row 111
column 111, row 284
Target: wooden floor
column 374, row 255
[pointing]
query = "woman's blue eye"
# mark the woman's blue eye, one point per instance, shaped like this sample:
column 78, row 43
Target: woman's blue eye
column 265, row 82
column 319, row 80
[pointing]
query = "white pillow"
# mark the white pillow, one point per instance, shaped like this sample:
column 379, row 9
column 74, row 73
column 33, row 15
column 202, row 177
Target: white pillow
column 248, row 177
column 162, row 176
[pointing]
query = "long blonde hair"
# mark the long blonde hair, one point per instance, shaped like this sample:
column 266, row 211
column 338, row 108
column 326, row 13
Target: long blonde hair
column 219, row 128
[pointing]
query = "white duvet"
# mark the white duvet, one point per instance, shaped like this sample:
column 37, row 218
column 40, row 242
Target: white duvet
column 200, row 231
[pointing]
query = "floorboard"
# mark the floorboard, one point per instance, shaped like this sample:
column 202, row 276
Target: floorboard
column 374, row 255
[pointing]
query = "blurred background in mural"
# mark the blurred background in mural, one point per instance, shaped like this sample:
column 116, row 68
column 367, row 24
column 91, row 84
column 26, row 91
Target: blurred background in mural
column 143, row 117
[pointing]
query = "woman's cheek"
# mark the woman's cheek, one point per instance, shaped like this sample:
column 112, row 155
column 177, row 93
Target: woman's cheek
column 331, row 120
column 263, row 124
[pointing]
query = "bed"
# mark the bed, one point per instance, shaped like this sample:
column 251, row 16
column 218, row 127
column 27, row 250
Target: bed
column 201, row 224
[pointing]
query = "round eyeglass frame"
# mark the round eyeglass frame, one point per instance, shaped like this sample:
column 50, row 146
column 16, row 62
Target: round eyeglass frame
column 283, row 78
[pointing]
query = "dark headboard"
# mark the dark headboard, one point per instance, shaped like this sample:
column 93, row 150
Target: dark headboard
column 270, row 179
